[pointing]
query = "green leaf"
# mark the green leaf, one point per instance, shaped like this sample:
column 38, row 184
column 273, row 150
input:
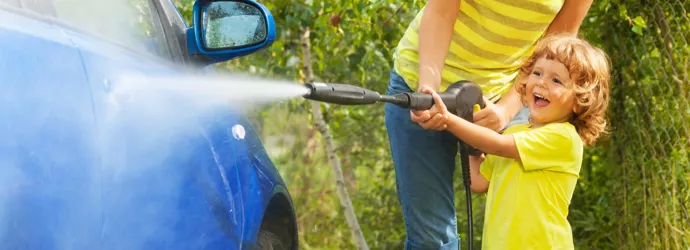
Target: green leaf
column 639, row 21
column 637, row 30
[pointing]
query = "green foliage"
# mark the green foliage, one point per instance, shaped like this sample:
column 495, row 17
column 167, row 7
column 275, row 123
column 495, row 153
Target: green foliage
column 633, row 192
column 637, row 198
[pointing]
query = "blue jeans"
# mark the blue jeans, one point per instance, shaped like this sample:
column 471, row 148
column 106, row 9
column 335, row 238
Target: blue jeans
column 424, row 164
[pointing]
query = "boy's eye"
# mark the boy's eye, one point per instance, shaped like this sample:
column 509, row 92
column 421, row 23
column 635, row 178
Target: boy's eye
column 556, row 81
column 536, row 73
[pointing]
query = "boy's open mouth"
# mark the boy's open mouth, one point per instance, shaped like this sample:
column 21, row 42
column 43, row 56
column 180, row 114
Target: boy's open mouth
column 540, row 101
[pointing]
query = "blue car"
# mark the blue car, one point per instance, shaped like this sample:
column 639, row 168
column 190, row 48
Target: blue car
column 83, row 167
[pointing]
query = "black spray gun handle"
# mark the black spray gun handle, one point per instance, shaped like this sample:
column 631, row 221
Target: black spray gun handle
column 459, row 98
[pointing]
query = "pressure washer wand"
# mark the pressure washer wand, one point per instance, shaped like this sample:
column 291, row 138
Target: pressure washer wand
column 459, row 98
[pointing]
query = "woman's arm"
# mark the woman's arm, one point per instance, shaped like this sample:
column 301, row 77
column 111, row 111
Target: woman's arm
column 496, row 116
column 435, row 33
column 569, row 18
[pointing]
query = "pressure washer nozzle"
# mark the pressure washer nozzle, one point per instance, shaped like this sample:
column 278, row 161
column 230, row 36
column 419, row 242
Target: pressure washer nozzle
column 345, row 94
column 341, row 94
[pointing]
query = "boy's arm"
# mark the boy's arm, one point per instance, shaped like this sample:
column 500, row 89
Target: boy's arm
column 479, row 183
column 484, row 139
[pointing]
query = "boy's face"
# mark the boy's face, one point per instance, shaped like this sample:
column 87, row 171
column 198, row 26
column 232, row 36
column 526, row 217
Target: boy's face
column 549, row 92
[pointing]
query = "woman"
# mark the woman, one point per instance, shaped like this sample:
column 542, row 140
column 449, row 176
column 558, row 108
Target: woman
column 484, row 41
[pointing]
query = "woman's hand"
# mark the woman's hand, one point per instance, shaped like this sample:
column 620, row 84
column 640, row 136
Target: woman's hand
column 436, row 117
column 493, row 116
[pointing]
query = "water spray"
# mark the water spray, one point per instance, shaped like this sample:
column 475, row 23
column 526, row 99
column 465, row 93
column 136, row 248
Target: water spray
column 460, row 98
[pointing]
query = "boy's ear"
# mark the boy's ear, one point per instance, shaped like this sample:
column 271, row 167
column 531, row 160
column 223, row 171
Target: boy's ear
column 524, row 101
column 577, row 109
column 522, row 94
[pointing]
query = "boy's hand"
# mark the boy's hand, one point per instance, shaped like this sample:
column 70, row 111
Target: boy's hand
column 438, row 121
column 476, row 160
column 479, row 184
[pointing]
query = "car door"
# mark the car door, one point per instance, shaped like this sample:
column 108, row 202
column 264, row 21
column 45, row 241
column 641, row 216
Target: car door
column 168, row 179
column 48, row 148
column 243, row 174
column 245, row 168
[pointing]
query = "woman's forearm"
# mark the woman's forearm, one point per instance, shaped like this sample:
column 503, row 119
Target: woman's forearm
column 569, row 18
column 511, row 102
column 435, row 33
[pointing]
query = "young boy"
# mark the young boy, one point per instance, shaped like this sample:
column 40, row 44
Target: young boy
column 530, row 170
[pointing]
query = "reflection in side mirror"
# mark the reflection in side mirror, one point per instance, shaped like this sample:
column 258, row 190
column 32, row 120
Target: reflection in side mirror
column 229, row 25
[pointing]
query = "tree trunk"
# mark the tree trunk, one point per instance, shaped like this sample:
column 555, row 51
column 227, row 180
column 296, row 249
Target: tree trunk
column 320, row 124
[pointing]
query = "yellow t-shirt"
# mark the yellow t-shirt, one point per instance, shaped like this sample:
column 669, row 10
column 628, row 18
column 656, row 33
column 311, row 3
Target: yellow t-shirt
column 527, row 201
column 492, row 39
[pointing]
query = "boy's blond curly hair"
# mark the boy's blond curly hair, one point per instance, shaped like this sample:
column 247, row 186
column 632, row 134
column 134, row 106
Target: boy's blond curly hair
column 589, row 69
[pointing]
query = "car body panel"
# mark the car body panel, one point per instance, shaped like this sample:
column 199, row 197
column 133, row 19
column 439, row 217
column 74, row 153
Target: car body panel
column 84, row 168
column 47, row 123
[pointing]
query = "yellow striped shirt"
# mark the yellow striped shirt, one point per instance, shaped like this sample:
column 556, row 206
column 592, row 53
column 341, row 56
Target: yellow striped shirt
column 492, row 39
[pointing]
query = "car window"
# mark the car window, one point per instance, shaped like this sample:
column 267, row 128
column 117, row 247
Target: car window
column 131, row 23
column 177, row 37
column 13, row 3
column 36, row 6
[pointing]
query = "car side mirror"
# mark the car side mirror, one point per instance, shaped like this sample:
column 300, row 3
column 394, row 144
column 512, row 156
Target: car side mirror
column 226, row 29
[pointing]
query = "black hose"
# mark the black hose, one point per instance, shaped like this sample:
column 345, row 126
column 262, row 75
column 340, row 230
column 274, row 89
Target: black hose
column 465, row 165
